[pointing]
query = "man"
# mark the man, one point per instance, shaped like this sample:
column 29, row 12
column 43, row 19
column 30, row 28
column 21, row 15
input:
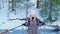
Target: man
column 32, row 23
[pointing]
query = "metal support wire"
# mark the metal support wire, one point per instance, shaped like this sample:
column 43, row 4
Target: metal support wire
column 22, row 30
column 39, row 30
column 44, row 29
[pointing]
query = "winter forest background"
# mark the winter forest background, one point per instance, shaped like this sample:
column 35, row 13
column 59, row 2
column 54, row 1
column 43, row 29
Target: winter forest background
column 12, row 11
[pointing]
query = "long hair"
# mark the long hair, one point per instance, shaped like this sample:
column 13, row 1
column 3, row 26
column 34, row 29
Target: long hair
column 33, row 14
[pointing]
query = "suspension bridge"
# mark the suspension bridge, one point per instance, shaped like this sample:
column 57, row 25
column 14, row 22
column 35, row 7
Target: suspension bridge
column 7, row 31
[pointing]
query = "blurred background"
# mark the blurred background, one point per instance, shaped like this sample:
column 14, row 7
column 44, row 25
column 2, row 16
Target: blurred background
column 14, row 12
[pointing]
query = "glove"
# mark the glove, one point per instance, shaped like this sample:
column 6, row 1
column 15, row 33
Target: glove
column 43, row 23
column 23, row 24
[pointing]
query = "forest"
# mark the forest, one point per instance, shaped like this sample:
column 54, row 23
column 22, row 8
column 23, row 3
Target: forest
column 49, row 10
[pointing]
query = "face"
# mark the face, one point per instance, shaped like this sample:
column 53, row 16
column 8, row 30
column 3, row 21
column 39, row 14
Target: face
column 33, row 16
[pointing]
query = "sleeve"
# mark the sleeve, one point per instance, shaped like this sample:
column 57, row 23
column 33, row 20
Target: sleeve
column 26, row 23
column 40, row 23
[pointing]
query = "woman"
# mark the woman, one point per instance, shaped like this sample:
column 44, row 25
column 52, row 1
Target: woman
column 32, row 23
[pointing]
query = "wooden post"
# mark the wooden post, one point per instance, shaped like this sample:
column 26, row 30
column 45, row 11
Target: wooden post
column 1, row 33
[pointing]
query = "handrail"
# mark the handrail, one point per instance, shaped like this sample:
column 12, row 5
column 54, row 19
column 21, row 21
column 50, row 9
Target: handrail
column 15, row 27
column 55, row 26
column 7, row 30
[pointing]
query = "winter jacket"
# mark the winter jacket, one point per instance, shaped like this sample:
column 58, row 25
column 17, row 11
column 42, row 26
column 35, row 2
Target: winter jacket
column 33, row 25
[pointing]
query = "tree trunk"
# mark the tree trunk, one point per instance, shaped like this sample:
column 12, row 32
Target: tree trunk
column 13, row 3
column 49, row 16
column 38, row 4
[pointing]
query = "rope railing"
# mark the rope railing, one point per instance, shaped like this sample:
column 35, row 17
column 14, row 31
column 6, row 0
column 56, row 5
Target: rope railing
column 15, row 27
column 7, row 30
column 55, row 26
